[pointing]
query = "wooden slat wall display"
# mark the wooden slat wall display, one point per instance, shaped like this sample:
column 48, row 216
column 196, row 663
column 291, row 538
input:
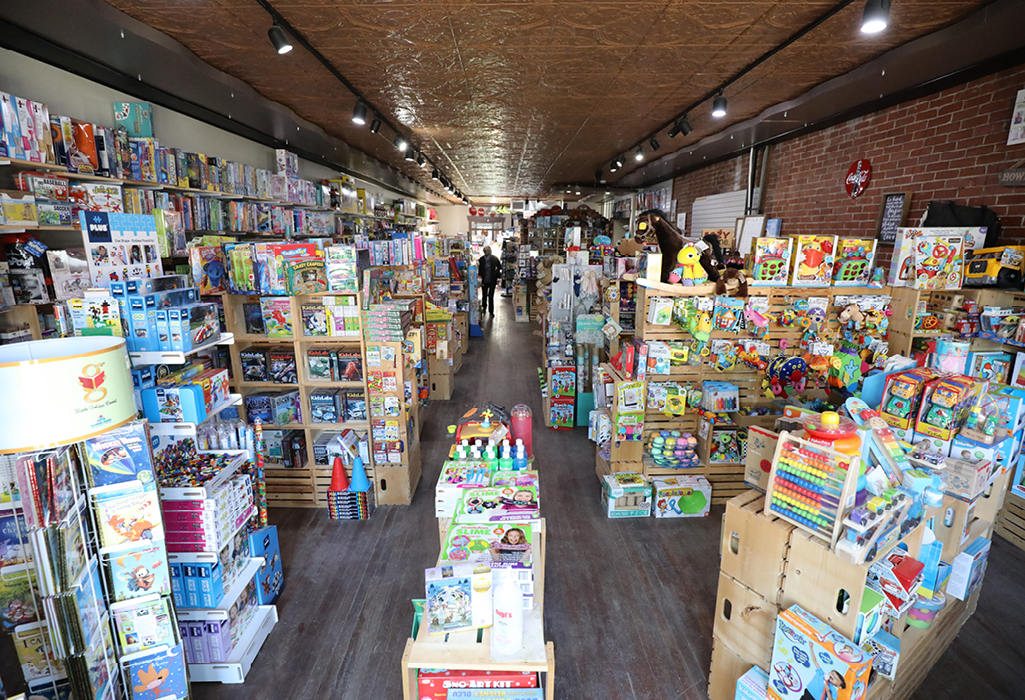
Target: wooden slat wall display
column 1011, row 521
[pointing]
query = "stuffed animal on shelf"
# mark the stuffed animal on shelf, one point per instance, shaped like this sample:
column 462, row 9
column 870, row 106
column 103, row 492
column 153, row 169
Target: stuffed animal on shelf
column 783, row 371
column 688, row 270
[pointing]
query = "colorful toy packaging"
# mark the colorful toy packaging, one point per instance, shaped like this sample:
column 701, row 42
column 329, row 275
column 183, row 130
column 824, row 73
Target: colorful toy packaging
column 853, row 266
column 809, row 659
column 813, row 261
column 753, row 685
column 968, row 568
column 681, row 496
column 771, row 262
column 442, row 685
column 945, row 405
column 500, row 545
column 626, row 495
column 270, row 579
column 939, row 262
column 494, row 505
column 458, row 597
column 902, row 395
column 209, row 269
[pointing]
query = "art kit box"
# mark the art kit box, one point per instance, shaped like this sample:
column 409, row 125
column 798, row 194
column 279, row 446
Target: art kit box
column 437, row 684
column 753, row 685
column 686, row 496
column 500, row 545
column 810, row 659
column 626, row 495
column 456, row 477
column 498, row 505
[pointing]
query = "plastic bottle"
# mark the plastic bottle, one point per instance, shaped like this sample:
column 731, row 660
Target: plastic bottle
column 202, row 439
column 520, row 457
column 506, row 462
column 522, row 430
column 507, row 633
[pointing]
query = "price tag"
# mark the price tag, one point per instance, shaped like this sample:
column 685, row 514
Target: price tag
column 822, row 349
column 706, row 303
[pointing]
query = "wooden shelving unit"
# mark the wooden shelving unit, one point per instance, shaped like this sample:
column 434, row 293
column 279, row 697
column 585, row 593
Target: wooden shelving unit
column 287, row 487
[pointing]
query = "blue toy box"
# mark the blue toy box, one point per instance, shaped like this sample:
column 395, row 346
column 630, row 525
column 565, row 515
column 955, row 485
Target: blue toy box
column 270, row 579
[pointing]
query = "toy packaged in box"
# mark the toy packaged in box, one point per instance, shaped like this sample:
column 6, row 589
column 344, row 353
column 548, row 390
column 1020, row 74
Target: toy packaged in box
column 626, row 495
column 277, row 317
column 500, row 545
column 285, row 408
column 270, row 578
column 885, row 651
column 355, row 404
column 254, row 365
column 853, row 266
column 753, row 685
column 761, row 446
column 813, row 261
column 945, row 405
column 939, row 262
column 811, row 660
column 318, row 360
column 495, row 505
column 306, row 276
column 771, row 262
column 324, row 406
column 209, row 268
column 435, row 684
column 681, row 496
column 281, row 365
column 902, row 395
column 968, row 568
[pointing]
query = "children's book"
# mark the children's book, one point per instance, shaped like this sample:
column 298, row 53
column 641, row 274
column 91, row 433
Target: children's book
column 277, row 316
column 128, row 512
column 729, row 314
column 495, row 505
column 119, row 455
column 458, row 597
column 813, row 261
column 17, row 606
column 853, row 265
column 939, row 262
column 135, row 118
column 138, row 571
column 771, row 262
column 143, row 623
column 15, row 547
column 37, row 659
column 156, row 673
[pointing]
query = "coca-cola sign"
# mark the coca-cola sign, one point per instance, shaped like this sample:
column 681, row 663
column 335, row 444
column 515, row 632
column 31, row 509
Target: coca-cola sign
column 857, row 177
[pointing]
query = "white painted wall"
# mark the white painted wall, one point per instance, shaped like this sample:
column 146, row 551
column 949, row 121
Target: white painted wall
column 70, row 95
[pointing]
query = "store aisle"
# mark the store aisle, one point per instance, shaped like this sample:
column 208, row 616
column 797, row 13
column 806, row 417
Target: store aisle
column 629, row 603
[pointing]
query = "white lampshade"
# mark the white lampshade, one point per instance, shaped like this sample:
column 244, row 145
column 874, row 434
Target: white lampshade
column 55, row 392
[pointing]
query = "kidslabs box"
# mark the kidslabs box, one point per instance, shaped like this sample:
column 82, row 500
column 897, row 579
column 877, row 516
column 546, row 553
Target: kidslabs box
column 811, row 660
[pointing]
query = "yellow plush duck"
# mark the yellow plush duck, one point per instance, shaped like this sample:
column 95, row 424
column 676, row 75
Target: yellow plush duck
column 688, row 270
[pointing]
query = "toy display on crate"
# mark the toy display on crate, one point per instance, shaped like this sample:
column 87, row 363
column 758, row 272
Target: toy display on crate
column 626, row 495
column 681, row 496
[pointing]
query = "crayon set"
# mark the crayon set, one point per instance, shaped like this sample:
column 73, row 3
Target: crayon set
column 720, row 396
column 809, row 485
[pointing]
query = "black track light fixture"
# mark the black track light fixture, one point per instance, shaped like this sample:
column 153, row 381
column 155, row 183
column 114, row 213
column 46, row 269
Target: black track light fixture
column 639, row 155
column 359, row 113
column 613, row 167
column 597, row 175
column 375, row 126
column 420, row 160
column 434, row 174
column 653, row 142
column 876, row 17
column 410, row 157
column 682, row 126
column 719, row 107
column 399, row 143
column 278, row 39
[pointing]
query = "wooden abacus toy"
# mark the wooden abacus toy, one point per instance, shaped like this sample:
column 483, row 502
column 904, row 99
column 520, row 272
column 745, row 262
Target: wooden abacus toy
column 811, row 486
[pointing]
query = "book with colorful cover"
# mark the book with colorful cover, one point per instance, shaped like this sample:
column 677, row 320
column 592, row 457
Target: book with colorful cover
column 128, row 512
column 37, row 659
column 82, row 157
column 143, row 623
column 277, row 316
column 771, row 261
column 853, row 264
column 15, row 547
column 135, row 117
column 17, row 600
column 813, row 261
column 306, row 276
column 156, row 673
column 458, row 597
column 138, row 571
column 119, row 455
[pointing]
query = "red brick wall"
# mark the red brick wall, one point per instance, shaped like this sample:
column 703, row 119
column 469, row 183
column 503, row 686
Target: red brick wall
column 947, row 146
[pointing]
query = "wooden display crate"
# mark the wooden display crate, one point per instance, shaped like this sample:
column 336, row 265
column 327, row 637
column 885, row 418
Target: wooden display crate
column 289, row 488
column 745, row 621
column 396, row 484
column 827, row 586
column 755, row 546
column 727, row 667
column 1011, row 521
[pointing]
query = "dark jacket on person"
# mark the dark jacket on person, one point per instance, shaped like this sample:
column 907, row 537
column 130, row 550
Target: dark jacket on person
column 489, row 269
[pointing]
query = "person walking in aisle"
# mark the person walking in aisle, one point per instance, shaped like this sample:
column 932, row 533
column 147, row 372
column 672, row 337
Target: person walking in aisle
column 489, row 270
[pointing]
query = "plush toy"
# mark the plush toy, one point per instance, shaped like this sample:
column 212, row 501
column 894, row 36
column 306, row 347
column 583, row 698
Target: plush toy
column 783, row 371
column 688, row 270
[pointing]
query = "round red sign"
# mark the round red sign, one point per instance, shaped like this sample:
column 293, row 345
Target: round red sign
column 857, row 177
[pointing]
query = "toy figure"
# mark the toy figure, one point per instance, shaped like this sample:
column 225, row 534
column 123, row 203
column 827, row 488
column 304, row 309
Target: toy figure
column 688, row 270
column 940, row 416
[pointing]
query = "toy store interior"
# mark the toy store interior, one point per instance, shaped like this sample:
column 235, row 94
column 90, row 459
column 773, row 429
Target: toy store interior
column 306, row 308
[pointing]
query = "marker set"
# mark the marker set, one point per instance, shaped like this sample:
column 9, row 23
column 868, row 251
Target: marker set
column 809, row 485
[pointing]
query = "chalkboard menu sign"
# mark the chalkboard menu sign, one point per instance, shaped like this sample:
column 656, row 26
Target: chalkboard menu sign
column 892, row 213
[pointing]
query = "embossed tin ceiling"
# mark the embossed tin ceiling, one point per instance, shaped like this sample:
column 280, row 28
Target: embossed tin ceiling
column 514, row 97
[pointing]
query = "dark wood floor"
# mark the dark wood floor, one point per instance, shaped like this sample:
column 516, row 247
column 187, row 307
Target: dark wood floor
column 629, row 603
